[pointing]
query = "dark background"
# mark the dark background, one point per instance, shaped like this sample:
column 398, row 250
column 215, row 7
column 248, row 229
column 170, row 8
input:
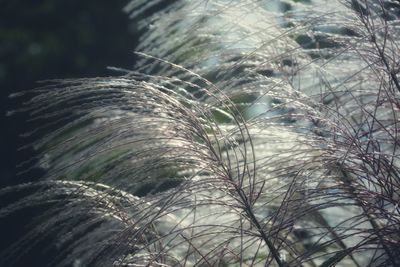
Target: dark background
column 47, row 39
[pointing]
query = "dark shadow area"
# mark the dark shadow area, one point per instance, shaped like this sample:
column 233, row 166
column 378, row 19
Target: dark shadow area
column 47, row 39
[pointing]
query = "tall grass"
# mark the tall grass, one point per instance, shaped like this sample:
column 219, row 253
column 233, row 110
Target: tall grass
column 249, row 133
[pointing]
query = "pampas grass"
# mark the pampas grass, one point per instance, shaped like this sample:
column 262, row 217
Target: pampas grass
column 249, row 133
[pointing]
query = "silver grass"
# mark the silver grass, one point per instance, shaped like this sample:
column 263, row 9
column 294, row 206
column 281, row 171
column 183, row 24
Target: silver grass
column 249, row 133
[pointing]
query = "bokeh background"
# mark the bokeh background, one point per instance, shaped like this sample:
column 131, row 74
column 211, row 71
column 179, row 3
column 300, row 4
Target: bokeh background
column 48, row 39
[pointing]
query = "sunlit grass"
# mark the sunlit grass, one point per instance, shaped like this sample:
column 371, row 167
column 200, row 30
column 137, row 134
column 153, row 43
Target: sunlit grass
column 273, row 141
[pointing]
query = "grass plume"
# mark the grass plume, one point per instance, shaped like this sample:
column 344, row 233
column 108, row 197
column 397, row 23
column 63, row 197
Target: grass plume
column 249, row 133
